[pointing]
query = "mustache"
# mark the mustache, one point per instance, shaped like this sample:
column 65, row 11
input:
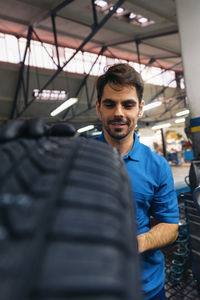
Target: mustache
column 119, row 120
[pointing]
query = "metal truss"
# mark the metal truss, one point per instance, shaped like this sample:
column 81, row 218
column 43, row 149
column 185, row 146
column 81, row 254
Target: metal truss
column 142, row 40
column 165, row 87
column 21, row 84
column 20, row 81
column 84, row 84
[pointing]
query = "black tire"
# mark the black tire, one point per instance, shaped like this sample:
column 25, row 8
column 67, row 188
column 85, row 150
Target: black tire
column 67, row 226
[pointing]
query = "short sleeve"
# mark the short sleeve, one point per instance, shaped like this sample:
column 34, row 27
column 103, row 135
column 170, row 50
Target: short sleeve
column 165, row 203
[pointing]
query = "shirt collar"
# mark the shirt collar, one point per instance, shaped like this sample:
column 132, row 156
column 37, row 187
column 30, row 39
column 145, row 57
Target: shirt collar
column 134, row 154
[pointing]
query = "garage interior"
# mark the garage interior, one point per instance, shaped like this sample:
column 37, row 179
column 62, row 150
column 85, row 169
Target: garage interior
column 53, row 50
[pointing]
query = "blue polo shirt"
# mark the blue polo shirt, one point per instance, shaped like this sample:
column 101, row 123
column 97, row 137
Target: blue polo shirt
column 154, row 195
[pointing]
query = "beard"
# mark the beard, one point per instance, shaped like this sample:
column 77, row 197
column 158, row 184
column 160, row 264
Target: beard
column 118, row 133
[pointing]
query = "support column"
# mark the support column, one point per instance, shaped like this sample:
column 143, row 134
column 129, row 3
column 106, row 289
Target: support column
column 163, row 143
column 188, row 13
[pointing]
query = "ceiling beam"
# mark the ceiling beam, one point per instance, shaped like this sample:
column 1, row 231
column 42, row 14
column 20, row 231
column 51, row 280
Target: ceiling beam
column 45, row 15
column 169, row 109
column 166, row 57
column 94, row 13
column 161, row 48
column 55, row 37
column 74, row 21
column 84, row 83
column 87, row 39
column 53, row 11
column 141, row 38
column 21, row 71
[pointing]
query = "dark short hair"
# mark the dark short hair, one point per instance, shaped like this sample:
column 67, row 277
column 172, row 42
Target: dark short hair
column 121, row 74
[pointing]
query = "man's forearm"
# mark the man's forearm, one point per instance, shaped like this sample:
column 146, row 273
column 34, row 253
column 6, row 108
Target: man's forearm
column 157, row 237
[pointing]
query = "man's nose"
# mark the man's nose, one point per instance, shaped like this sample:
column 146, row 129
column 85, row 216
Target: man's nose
column 119, row 110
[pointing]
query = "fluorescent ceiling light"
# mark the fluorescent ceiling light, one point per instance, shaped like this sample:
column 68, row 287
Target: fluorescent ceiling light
column 119, row 10
column 96, row 133
column 50, row 95
column 182, row 113
column 132, row 15
column 101, row 3
column 181, row 120
column 151, row 105
column 161, row 126
column 64, row 106
column 142, row 20
column 86, row 128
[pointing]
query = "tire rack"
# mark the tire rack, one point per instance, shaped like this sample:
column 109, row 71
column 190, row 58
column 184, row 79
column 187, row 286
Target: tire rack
column 180, row 259
column 188, row 287
column 194, row 232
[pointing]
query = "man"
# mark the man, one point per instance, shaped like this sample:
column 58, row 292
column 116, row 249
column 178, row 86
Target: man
column 119, row 106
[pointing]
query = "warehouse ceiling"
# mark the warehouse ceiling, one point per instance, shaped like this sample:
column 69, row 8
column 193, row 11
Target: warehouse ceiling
column 145, row 32
column 75, row 21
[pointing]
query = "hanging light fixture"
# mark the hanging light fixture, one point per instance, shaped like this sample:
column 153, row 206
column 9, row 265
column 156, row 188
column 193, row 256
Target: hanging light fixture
column 160, row 126
column 64, row 106
column 86, row 128
column 182, row 113
column 181, row 120
column 151, row 105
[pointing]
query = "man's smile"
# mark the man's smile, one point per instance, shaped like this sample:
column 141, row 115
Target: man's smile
column 118, row 125
column 118, row 122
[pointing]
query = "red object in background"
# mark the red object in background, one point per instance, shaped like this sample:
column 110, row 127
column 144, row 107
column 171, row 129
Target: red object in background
column 153, row 222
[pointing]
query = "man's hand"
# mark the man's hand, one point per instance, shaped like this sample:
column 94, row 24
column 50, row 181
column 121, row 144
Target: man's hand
column 34, row 128
column 157, row 237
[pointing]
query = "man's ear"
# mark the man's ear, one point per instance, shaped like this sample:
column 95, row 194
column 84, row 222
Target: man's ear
column 98, row 108
column 140, row 114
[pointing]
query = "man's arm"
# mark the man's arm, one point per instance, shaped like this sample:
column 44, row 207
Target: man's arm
column 157, row 237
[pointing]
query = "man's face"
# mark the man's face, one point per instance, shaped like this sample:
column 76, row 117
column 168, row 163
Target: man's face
column 119, row 110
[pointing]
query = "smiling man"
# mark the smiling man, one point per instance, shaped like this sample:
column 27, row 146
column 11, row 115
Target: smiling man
column 119, row 106
column 119, row 110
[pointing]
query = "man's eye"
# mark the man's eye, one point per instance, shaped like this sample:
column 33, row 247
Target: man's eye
column 128, row 106
column 109, row 104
